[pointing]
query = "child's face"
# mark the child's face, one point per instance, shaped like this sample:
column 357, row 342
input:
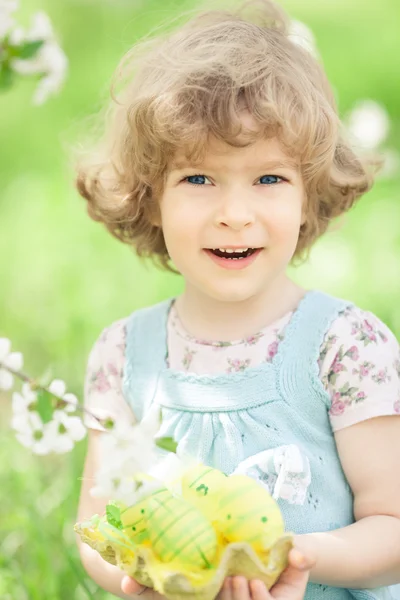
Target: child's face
column 237, row 198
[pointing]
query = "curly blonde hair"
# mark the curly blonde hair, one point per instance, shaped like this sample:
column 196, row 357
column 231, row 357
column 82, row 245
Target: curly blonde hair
column 180, row 88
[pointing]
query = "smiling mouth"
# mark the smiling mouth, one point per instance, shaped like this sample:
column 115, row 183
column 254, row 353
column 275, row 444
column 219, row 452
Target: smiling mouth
column 233, row 254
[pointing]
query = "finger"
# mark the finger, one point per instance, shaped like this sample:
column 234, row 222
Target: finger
column 240, row 588
column 131, row 586
column 301, row 560
column 226, row 590
column 291, row 585
column 258, row 590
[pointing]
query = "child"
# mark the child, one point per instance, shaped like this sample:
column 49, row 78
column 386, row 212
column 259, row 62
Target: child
column 224, row 160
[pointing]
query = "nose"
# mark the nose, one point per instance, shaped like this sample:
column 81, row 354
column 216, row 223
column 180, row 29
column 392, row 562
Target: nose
column 234, row 210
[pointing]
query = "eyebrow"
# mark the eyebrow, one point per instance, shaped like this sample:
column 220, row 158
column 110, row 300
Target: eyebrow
column 288, row 163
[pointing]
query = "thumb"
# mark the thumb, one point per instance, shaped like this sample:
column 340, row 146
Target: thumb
column 302, row 561
column 131, row 586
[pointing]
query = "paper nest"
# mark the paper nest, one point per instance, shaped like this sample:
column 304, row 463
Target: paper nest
column 170, row 580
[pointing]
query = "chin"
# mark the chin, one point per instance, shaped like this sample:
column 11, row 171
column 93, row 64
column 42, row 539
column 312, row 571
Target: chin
column 232, row 293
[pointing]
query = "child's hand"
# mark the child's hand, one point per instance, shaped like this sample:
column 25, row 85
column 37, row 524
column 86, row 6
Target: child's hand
column 290, row 586
column 131, row 587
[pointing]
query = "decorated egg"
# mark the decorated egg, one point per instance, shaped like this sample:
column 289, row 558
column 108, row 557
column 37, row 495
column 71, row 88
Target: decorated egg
column 133, row 518
column 180, row 532
column 248, row 513
column 201, row 486
column 178, row 551
column 177, row 581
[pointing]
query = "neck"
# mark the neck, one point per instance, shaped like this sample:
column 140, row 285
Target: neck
column 204, row 317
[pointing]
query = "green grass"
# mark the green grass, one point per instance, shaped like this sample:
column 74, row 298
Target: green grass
column 63, row 278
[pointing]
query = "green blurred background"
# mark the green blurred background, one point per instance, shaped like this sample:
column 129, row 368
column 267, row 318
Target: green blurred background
column 63, row 278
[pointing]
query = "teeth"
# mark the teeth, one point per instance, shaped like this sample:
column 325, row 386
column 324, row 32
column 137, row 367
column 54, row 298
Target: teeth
column 230, row 251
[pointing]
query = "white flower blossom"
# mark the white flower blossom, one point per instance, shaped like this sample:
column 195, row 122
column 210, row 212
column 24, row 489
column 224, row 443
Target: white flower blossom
column 30, row 432
column 114, row 487
column 6, row 24
column 123, row 480
column 128, row 444
column 17, row 36
column 302, row 35
column 56, row 64
column 7, row 7
column 63, row 432
column 170, row 468
column 126, row 450
column 22, row 401
column 369, row 124
column 130, row 455
column 151, row 422
column 40, row 29
column 24, row 418
column 13, row 360
column 50, row 62
column 58, row 435
column 58, row 387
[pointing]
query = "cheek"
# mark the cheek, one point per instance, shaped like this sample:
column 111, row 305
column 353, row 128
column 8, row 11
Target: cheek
column 284, row 220
column 178, row 225
column 182, row 215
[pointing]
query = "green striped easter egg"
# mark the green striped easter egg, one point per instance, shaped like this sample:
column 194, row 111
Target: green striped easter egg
column 133, row 518
column 248, row 513
column 178, row 531
column 201, row 486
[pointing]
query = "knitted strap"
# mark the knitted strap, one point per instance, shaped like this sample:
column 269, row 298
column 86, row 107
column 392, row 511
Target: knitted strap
column 300, row 349
column 305, row 331
column 144, row 360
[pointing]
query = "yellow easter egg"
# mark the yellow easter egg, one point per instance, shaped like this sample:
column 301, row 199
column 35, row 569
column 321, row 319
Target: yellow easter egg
column 201, row 486
column 133, row 517
column 180, row 532
column 248, row 513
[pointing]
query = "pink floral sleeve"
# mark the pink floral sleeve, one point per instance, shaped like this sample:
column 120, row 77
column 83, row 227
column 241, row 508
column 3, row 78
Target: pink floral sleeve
column 103, row 381
column 360, row 368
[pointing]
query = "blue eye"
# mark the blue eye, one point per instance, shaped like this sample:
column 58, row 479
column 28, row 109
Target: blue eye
column 196, row 179
column 270, row 179
column 203, row 180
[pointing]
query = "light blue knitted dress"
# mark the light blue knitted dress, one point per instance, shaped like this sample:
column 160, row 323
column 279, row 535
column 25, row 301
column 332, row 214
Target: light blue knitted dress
column 224, row 419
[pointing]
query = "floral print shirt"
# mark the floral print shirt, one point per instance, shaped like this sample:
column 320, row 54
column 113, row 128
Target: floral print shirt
column 359, row 365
